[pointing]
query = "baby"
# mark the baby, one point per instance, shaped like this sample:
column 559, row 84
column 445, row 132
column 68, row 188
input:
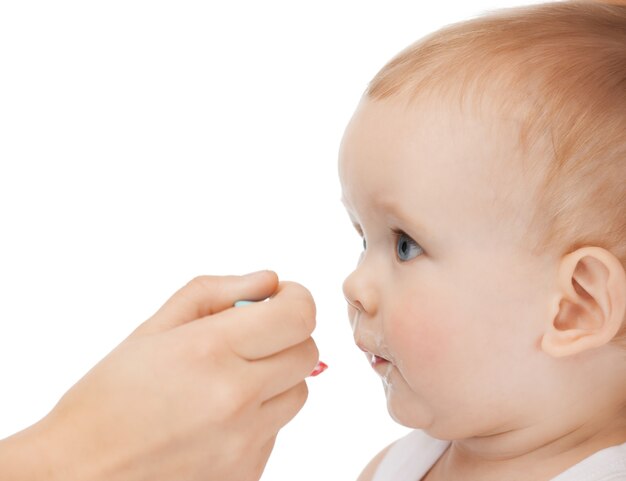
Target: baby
column 485, row 169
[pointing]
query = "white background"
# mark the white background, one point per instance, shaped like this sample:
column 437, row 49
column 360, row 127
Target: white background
column 145, row 142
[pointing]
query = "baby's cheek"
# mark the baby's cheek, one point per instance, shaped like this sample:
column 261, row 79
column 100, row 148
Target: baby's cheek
column 419, row 336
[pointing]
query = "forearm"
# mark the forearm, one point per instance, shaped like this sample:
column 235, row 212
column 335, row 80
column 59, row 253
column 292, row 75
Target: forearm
column 43, row 451
column 26, row 456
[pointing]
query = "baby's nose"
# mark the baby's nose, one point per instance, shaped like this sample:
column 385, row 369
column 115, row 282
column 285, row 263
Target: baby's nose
column 356, row 304
column 359, row 291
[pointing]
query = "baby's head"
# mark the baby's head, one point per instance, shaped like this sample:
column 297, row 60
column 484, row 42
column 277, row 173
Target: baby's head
column 485, row 168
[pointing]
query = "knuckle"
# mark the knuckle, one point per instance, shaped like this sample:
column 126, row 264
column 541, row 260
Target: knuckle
column 301, row 394
column 210, row 349
column 206, row 345
column 313, row 352
column 197, row 288
column 200, row 282
column 307, row 318
column 216, row 285
column 230, row 398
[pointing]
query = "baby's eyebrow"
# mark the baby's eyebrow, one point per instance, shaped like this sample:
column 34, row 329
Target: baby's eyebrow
column 391, row 206
column 392, row 209
column 354, row 222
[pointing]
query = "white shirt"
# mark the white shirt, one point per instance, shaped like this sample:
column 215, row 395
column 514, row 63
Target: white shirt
column 410, row 458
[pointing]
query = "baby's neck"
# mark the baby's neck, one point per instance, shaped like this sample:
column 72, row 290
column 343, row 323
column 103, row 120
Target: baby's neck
column 522, row 454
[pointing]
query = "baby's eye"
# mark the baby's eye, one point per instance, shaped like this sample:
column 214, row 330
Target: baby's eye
column 364, row 244
column 406, row 248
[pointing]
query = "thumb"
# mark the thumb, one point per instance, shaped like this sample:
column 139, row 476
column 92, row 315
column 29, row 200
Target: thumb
column 206, row 295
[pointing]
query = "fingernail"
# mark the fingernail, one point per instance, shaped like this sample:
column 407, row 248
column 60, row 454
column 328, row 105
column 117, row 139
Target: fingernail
column 319, row 369
column 252, row 274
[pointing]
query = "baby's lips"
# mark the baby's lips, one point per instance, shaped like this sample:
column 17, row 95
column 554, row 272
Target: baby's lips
column 319, row 368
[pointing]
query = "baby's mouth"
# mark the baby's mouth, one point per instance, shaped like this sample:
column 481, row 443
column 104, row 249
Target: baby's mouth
column 375, row 360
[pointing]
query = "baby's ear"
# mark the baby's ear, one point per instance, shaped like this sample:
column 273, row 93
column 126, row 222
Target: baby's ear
column 591, row 305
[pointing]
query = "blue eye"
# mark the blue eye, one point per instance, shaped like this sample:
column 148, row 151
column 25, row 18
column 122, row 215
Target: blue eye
column 406, row 248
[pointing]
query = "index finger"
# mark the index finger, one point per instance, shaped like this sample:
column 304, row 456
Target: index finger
column 206, row 295
column 261, row 329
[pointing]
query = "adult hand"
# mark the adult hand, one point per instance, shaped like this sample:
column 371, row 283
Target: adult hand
column 197, row 392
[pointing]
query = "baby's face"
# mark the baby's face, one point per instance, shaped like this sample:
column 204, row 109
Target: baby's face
column 445, row 300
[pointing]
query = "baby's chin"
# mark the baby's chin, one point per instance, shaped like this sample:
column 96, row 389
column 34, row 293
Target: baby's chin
column 408, row 412
column 435, row 422
column 440, row 415
column 427, row 423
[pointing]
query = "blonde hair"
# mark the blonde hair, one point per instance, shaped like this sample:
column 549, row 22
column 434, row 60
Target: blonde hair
column 560, row 68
